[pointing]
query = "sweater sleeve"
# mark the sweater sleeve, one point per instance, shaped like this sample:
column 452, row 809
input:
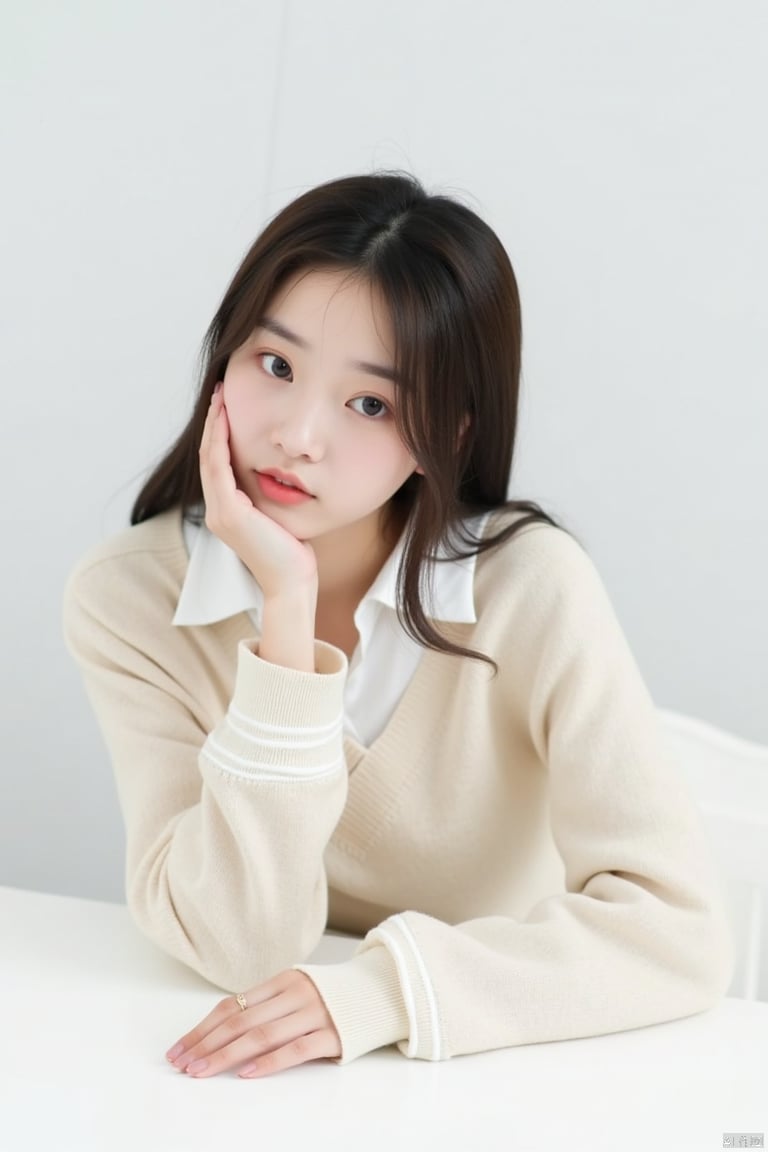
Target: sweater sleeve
column 640, row 934
column 226, row 825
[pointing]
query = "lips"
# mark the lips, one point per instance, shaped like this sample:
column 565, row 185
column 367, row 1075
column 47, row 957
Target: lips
column 282, row 488
column 285, row 478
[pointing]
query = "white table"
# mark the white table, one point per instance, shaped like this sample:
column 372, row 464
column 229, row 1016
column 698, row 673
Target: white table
column 88, row 1007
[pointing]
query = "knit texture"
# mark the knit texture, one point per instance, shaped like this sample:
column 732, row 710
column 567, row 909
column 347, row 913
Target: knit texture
column 519, row 852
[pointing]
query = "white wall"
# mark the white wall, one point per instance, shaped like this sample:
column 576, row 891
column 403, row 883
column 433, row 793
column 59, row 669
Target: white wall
column 618, row 148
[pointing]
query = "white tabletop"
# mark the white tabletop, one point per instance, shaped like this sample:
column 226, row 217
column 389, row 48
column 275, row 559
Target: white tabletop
column 88, row 1007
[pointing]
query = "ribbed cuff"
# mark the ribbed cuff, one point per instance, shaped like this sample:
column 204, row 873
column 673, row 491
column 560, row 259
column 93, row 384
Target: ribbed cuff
column 282, row 724
column 364, row 1000
column 289, row 697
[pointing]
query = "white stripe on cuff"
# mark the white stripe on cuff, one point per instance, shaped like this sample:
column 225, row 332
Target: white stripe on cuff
column 258, row 767
column 429, row 990
column 317, row 730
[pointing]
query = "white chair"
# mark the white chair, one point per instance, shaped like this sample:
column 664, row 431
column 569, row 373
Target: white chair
column 728, row 777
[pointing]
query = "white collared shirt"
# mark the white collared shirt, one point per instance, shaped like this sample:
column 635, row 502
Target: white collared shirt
column 219, row 585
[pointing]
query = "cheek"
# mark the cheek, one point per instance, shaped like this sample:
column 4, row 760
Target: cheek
column 386, row 462
column 239, row 406
column 400, row 462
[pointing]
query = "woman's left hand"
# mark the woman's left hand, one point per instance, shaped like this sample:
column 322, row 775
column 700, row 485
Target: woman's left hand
column 284, row 1023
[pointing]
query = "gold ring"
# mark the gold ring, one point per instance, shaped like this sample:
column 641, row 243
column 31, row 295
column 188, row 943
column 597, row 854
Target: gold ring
column 242, row 1003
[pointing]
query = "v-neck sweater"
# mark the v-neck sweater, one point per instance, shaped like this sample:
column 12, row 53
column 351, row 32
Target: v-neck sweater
column 517, row 849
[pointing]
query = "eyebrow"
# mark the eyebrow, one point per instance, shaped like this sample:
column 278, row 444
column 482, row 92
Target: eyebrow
column 359, row 365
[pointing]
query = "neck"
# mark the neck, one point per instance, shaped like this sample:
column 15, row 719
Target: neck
column 348, row 561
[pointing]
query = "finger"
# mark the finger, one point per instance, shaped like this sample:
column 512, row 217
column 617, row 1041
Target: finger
column 275, row 998
column 216, row 475
column 205, row 448
column 212, row 430
column 279, row 986
column 213, row 1055
column 214, row 1018
column 222, row 1027
column 320, row 1045
column 210, row 419
column 226, row 1007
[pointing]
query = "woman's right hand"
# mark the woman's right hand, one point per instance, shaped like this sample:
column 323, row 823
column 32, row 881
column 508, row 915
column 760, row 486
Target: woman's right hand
column 284, row 567
column 278, row 561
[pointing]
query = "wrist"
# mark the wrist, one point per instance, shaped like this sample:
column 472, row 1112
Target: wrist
column 288, row 629
column 364, row 1000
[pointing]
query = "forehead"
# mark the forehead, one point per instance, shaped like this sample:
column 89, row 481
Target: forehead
column 332, row 303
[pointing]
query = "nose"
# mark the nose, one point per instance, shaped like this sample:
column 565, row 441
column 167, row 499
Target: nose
column 301, row 429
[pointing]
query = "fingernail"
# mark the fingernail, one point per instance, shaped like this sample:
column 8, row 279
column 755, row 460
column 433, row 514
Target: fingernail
column 248, row 1070
column 195, row 1067
column 172, row 1053
column 217, row 388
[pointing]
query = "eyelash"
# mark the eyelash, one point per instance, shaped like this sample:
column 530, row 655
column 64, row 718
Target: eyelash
column 384, row 411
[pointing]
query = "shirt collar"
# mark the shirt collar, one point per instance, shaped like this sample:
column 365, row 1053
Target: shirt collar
column 218, row 585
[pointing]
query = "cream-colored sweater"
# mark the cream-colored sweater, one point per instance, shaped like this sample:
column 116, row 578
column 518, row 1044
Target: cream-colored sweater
column 524, row 859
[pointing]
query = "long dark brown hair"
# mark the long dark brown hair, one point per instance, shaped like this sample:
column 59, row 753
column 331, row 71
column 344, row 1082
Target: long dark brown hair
column 455, row 311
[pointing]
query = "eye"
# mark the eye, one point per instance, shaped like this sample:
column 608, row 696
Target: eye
column 276, row 366
column 369, row 406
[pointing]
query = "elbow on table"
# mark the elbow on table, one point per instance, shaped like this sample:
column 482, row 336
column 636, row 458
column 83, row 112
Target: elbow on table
column 233, row 956
column 707, row 960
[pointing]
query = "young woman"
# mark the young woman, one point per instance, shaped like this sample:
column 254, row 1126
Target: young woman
column 345, row 683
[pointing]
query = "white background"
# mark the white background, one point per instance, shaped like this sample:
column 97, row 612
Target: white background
column 617, row 146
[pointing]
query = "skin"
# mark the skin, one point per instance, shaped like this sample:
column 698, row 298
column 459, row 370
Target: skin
column 317, row 404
